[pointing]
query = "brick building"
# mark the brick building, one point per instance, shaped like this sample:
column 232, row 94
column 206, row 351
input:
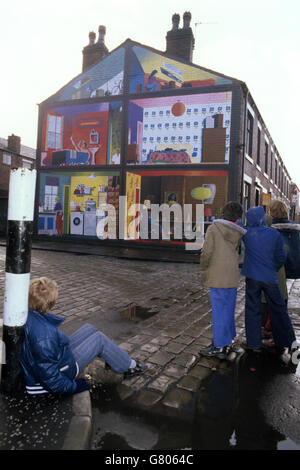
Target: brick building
column 151, row 126
column 12, row 155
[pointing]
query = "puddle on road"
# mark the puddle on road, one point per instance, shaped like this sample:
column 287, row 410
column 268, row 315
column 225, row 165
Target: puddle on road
column 136, row 313
column 237, row 410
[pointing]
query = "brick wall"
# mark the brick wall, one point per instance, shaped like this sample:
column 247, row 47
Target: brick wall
column 262, row 176
column 16, row 162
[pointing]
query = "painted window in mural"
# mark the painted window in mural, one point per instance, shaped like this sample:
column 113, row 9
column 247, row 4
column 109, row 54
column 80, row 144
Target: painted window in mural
column 180, row 129
column 150, row 72
column 82, row 135
column 103, row 79
column 72, row 203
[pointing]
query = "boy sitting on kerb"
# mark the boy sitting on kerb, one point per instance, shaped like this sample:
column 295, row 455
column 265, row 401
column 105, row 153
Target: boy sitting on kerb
column 51, row 360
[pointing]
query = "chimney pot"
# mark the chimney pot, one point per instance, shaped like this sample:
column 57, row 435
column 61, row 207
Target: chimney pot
column 92, row 37
column 102, row 32
column 187, row 19
column 175, row 21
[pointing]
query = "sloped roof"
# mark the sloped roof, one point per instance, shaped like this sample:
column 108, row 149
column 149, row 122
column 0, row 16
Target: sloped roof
column 106, row 76
column 27, row 152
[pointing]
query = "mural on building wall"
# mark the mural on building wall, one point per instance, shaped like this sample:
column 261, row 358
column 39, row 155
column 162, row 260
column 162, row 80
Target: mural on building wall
column 151, row 71
column 72, row 203
column 186, row 189
column 180, row 129
column 82, row 135
column 133, row 194
column 103, row 79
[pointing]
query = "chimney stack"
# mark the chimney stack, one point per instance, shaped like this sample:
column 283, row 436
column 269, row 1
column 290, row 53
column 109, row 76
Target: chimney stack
column 181, row 41
column 94, row 51
column 14, row 143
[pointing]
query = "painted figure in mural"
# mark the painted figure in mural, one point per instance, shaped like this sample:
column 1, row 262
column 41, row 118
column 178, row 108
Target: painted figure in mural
column 116, row 157
column 52, row 362
column 59, row 216
column 153, row 84
column 264, row 255
column 219, row 267
column 82, row 147
column 172, row 198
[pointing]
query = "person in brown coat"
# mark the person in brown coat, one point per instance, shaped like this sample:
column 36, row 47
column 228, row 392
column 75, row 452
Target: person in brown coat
column 219, row 267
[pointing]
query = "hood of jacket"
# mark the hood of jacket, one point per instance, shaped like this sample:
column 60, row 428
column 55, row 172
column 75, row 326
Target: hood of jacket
column 229, row 230
column 286, row 226
column 50, row 317
column 256, row 217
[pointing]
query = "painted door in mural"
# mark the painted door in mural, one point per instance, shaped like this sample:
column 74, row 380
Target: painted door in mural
column 133, row 195
column 66, row 209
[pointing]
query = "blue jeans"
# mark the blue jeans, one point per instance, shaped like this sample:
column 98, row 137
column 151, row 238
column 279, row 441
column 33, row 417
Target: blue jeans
column 87, row 343
column 223, row 306
column 282, row 329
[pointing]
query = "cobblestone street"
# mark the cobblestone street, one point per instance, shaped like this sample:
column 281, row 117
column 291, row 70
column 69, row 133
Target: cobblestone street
column 109, row 292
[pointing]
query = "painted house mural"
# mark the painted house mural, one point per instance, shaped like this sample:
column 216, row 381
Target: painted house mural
column 103, row 79
column 151, row 72
column 71, row 203
column 184, row 129
column 87, row 134
column 139, row 124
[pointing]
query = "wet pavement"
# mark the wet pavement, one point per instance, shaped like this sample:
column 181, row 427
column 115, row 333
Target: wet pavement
column 159, row 313
column 234, row 411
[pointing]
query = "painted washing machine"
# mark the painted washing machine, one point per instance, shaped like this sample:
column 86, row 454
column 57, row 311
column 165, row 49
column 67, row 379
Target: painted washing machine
column 76, row 223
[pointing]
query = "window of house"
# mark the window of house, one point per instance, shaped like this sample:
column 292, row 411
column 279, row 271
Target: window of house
column 247, row 194
column 258, row 146
column 249, row 134
column 271, row 168
column 279, row 177
column 257, row 196
column 51, row 193
column 6, row 158
column 266, row 157
column 26, row 164
column 276, row 172
column 55, row 132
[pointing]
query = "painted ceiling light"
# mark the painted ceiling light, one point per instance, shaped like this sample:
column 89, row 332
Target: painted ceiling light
column 178, row 109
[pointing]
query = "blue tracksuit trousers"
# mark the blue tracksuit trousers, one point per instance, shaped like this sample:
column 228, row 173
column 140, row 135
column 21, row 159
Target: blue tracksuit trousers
column 87, row 343
column 223, row 307
column 282, row 329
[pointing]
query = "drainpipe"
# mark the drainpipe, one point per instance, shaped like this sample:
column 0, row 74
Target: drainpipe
column 244, row 147
column 17, row 273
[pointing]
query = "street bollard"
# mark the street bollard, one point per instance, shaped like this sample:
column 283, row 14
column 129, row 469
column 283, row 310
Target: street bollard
column 17, row 273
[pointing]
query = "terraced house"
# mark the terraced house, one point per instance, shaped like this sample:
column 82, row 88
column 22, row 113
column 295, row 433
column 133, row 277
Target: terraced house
column 13, row 154
column 150, row 127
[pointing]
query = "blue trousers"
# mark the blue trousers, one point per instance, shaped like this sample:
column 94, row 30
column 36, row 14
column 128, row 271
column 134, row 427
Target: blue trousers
column 223, row 306
column 282, row 329
column 87, row 343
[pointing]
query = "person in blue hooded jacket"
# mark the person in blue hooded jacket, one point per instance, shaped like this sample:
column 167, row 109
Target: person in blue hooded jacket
column 264, row 255
column 52, row 361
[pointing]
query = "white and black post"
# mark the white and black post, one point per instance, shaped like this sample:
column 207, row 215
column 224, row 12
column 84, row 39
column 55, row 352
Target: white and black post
column 17, row 272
